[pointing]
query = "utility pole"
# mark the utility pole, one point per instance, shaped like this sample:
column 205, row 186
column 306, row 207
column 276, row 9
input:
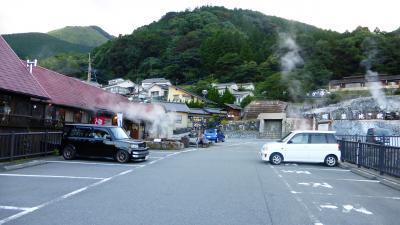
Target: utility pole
column 89, row 75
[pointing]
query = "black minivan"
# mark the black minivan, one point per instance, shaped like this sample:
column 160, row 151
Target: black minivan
column 101, row 141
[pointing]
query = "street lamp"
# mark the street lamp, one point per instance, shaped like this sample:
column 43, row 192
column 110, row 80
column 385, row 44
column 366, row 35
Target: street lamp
column 204, row 92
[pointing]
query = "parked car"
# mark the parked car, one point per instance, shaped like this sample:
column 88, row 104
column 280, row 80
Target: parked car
column 303, row 146
column 214, row 135
column 379, row 136
column 101, row 141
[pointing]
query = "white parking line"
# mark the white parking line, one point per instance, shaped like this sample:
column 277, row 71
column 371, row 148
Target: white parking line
column 323, row 169
column 68, row 195
column 13, row 208
column 48, row 176
column 357, row 180
column 311, row 216
column 350, row 196
column 92, row 163
column 155, row 157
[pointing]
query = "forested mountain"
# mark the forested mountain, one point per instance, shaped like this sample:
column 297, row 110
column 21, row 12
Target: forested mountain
column 40, row 45
column 66, row 40
column 64, row 50
column 243, row 46
column 91, row 36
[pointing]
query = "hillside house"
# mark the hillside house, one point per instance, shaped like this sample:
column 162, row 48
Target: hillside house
column 233, row 112
column 121, row 86
column 177, row 94
column 360, row 83
column 240, row 90
column 160, row 81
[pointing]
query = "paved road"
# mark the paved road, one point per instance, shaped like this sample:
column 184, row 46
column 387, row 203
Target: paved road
column 222, row 185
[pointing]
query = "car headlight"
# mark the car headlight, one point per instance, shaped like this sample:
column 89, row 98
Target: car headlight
column 134, row 146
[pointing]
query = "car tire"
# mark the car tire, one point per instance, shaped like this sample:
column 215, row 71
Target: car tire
column 122, row 156
column 276, row 159
column 69, row 152
column 331, row 160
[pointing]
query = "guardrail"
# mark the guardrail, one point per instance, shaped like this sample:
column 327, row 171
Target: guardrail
column 386, row 140
column 383, row 158
column 19, row 145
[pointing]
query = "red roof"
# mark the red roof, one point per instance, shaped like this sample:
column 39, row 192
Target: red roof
column 15, row 77
column 68, row 91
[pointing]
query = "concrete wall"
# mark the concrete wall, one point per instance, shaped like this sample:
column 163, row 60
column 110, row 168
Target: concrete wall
column 185, row 121
column 360, row 127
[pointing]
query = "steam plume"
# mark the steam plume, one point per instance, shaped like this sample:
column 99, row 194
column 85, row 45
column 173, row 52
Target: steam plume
column 160, row 122
column 373, row 82
column 289, row 61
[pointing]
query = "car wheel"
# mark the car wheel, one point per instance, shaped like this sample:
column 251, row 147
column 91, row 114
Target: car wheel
column 122, row 156
column 276, row 159
column 69, row 152
column 331, row 160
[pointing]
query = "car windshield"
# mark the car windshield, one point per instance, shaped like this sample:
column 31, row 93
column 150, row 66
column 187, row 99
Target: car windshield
column 285, row 138
column 210, row 131
column 119, row 133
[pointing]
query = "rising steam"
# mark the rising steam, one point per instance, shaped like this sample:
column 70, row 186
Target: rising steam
column 375, row 88
column 159, row 121
column 373, row 82
column 289, row 62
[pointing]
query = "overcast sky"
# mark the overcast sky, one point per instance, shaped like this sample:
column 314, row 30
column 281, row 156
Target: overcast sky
column 123, row 16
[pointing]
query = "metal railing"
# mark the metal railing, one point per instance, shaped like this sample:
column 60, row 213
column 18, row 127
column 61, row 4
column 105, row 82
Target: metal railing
column 386, row 140
column 19, row 145
column 383, row 158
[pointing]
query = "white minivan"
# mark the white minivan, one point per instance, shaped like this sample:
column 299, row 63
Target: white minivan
column 303, row 146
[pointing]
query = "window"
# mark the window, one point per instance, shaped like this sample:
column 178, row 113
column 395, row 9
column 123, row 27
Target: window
column 49, row 112
column 100, row 134
column 85, row 117
column 84, row 132
column 299, row 139
column 155, row 94
column 318, row 139
column 178, row 119
column 119, row 133
column 5, row 104
column 69, row 116
column 331, row 138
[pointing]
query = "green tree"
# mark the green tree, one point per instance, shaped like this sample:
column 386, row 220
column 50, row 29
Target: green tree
column 227, row 97
column 246, row 101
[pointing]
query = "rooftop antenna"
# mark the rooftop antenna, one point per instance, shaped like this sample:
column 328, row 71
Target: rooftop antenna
column 31, row 64
column 89, row 75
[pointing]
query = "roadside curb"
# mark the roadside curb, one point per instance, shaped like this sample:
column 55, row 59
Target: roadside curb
column 33, row 162
column 392, row 183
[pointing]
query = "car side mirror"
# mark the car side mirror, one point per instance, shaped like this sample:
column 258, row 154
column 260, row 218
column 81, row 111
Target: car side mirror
column 290, row 142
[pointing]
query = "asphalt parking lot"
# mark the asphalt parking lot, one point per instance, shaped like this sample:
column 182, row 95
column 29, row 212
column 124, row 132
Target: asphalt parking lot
column 26, row 190
column 223, row 184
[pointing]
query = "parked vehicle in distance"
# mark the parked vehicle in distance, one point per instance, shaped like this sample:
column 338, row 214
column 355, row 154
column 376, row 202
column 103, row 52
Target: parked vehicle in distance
column 214, row 135
column 379, row 136
column 303, row 146
column 101, row 141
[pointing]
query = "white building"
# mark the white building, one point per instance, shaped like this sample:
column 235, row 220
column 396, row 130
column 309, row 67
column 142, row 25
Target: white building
column 121, row 86
column 221, row 87
column 240, row 90
column 160, row 81
column 157, row 91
